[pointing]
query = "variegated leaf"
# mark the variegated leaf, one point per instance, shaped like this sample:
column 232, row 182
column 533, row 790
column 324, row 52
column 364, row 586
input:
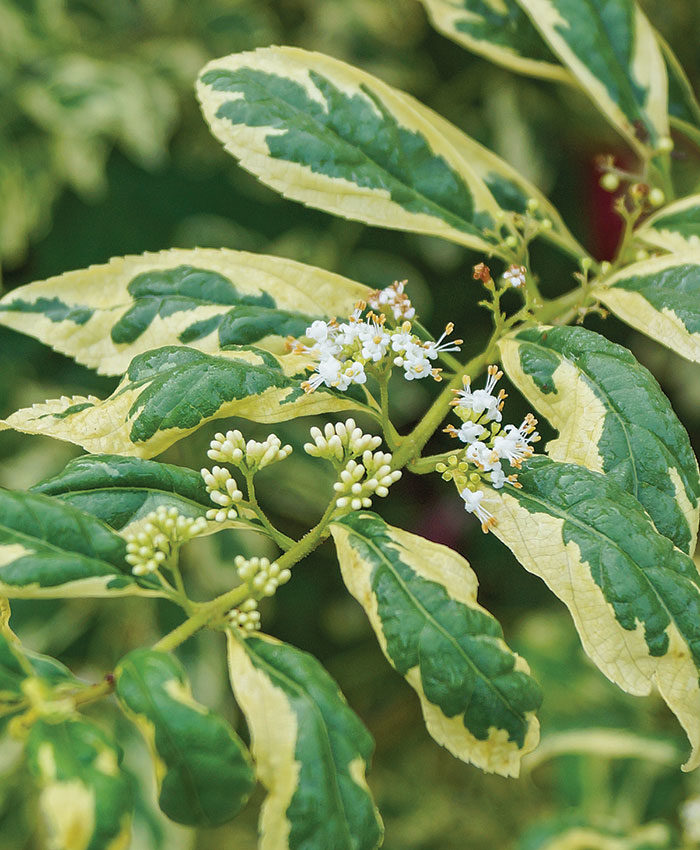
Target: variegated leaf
column 477, row 696
column 683, row 106
column 310, row 749
column 333, row 137
column 612, row 417
column 633, row 596
column 510, row 189
column 52, row 550
column 674, row 228
column 85, row 799
column 168, row 393
column 17, row 664
column 105, row 315
column 583, row 836
column 122, row 491
column 661, row 298
column 203, row 769
column 499, row 31
column 611, row 49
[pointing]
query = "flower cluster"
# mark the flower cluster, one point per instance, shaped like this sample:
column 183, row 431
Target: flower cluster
column 486, row 446
column 162, row 531
column 394, row 299
column 250, row 456
column 263, row 578
column 346, row 349
column 340, row 442
column 223, row 491
column 360, row 482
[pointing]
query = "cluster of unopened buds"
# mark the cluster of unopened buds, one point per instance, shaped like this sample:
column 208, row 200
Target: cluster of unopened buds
column 358, row 482
column 161, row 532
column 488, row 443
column 340, row 441
column 345, row 350
column 263, row 578
column 249, row 457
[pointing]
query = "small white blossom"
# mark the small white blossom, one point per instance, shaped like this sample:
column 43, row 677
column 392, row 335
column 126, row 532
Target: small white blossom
column 482, row 402
column 482, row 455
column 469, row 432
column 516, row 276
column 394, row 298
column 515, row 445
column 472, row 504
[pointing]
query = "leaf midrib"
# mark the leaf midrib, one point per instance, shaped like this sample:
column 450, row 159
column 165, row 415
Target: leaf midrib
column 438, row 626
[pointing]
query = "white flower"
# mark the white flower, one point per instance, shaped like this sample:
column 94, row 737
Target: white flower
column 470, row 431
column 374, row 340
column 416, row 365
column 483, row 456
column 472, row 504
column 483, row 402
column 394, row 298
column 498, row 476
column 515, row 275
column 433, row 349
column 515, row 445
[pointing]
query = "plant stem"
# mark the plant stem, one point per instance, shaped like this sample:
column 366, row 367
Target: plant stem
column 209, row 611
column 280, row 539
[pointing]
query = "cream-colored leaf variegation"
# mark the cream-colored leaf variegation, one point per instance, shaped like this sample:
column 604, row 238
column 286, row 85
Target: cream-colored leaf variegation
column 675, row 228
column 661, row 298
column 307, row 745
column 271, row 108
column 168, row 393
column 612, row 50
column 105, row 315
column 612, row 418
column 631, row 595
column 512, row 42
column 405, row 582
column 511, row 189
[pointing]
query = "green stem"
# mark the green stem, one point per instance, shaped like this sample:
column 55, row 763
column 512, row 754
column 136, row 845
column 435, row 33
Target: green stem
column 280, row 539
column 391, row 435
column 209, row 611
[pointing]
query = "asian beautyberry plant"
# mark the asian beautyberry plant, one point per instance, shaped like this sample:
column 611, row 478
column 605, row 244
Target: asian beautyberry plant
column 606, row 516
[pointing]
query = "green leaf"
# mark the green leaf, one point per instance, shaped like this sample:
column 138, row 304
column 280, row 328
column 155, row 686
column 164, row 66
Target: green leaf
column 510, row 189
column 661, row 298
column 333, row 137
column 611, row 49
column 85, row 800
column 17, row 664
column 633, row 596
column 674, row 228
column 203, row 769
column 572, row 833
column 477, row 696
column 310, row 749
column 612, row 417
column 52, row 550
column 683, row 106
column 168, row 393
column 499, row 31
column 122, row 491
column 105, row 315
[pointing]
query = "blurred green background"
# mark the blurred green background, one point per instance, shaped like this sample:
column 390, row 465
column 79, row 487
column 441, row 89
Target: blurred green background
column 102, row 153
